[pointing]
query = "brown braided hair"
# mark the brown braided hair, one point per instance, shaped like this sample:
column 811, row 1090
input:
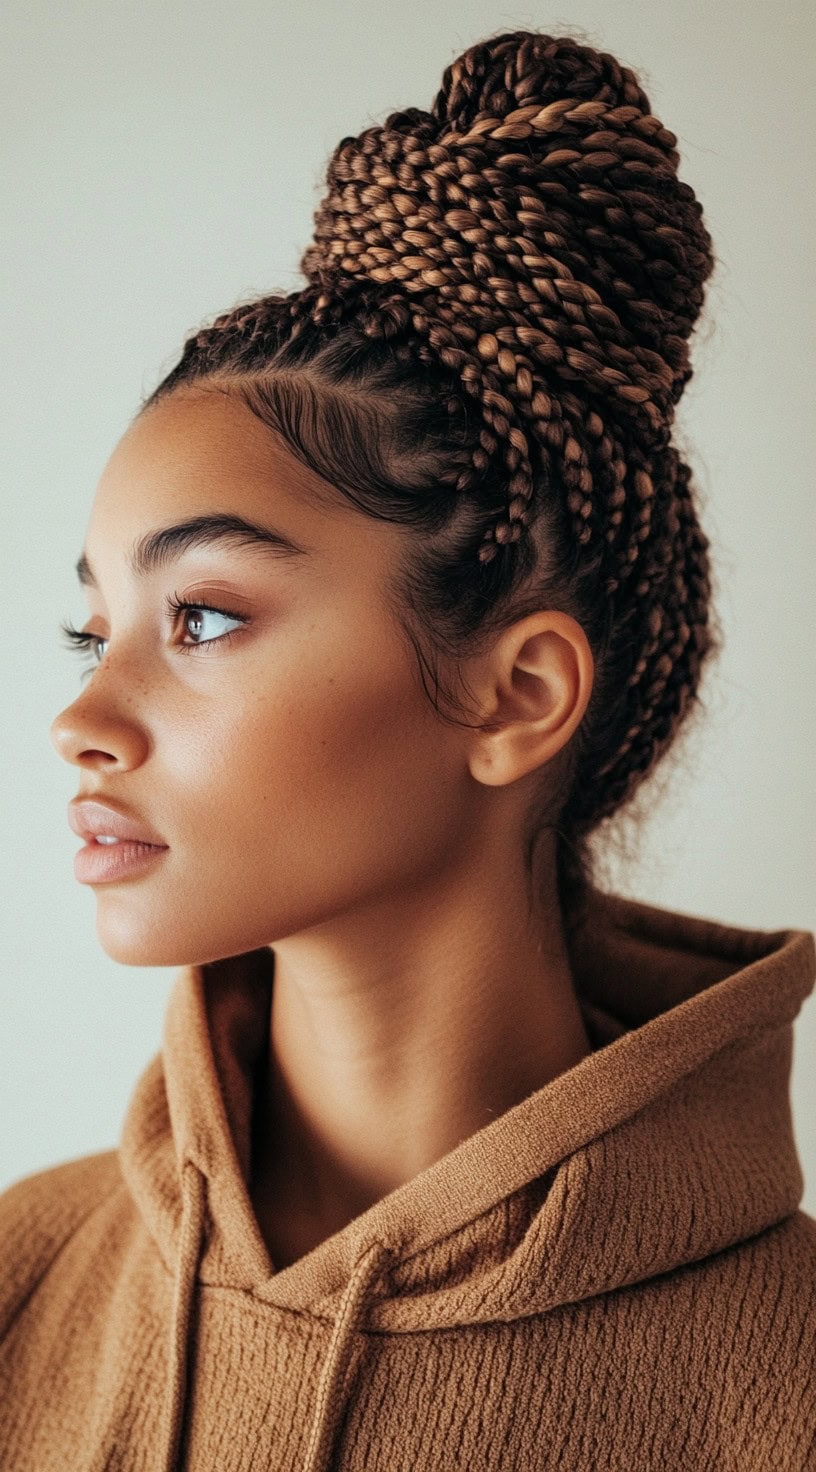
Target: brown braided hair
column 489, row 348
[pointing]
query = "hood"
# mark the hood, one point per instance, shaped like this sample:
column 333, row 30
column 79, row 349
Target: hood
column 671, row 1140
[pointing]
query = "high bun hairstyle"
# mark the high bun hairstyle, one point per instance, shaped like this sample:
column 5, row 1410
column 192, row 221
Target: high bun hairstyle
column 489, row 347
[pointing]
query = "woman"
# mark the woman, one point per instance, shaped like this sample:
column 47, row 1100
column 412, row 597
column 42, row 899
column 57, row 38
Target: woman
column 397, row 591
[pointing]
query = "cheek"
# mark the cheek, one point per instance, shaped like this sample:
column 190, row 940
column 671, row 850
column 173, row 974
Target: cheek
column 336, row 763
column 285, row 807
column 340, row 741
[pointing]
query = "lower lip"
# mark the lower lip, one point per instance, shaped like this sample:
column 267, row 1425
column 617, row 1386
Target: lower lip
column 98, row 863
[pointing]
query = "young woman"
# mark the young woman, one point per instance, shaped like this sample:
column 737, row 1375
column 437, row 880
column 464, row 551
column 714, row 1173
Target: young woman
column 397, row 589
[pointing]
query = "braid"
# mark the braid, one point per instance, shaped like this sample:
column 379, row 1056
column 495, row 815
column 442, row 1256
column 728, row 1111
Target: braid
column 672, row 594
column 526, row 249
column 445, row 205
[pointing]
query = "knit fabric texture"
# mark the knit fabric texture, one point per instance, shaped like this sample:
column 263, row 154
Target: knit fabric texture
column 614, row 1275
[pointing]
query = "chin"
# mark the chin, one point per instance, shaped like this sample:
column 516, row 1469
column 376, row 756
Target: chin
column 126, row 939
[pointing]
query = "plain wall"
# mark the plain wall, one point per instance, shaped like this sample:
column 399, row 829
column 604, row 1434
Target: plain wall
column 161, row 163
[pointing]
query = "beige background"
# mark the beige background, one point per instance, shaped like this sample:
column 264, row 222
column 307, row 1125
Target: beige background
column 161, row 162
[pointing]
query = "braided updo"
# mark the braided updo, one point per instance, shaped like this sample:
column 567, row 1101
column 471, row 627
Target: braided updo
column 489, row 348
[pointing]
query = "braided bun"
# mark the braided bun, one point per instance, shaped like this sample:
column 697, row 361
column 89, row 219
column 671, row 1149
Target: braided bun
column 505, row 287
column 537, row 231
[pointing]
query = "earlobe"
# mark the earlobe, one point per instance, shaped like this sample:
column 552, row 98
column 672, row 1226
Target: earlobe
column 540, row 676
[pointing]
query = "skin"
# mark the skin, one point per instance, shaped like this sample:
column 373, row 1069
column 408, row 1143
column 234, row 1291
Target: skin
column 314, row 802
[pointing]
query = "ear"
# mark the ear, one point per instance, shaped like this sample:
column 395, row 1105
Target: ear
column 532, row 689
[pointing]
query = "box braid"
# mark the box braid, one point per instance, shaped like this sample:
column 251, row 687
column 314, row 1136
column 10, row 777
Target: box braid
column 525, row 254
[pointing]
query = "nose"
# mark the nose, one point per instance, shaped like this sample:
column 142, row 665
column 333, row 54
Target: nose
column 88, row 736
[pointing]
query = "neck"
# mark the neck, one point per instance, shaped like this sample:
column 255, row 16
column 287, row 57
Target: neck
column 396, row 1040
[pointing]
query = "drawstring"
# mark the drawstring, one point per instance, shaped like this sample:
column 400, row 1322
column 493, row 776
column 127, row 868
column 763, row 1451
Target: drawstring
column 192, row 1221
column 329, row 1399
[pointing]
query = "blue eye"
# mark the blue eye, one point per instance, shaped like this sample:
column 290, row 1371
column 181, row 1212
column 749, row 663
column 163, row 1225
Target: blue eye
column 174, row 606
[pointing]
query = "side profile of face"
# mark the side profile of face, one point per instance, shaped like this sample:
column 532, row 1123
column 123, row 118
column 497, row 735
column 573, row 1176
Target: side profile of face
column 293, row 765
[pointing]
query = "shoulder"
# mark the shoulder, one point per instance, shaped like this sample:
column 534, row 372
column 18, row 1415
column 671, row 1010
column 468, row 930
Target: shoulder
column 773, row 1298
column 773, row 1282
column 39, row 1213
column 746, row 1330
column 771, row 1325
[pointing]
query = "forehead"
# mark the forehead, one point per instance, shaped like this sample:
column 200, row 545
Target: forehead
column 202, row 453
column 202, row 448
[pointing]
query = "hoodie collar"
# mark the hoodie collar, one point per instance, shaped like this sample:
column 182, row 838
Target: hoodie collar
column 686, row 1017
column 671, row 1140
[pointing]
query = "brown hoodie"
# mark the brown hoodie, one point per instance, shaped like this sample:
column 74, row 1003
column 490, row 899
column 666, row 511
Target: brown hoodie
column 614, row 1274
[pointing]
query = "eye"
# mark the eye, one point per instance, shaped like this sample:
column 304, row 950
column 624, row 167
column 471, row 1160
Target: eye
column 80, row 642
column 181, row 606
column 174, row 606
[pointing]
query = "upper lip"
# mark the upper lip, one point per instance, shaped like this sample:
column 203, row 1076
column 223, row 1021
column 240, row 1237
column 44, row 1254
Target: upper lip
column 89, row 818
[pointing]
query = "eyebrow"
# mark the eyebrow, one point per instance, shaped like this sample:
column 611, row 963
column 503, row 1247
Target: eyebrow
column 165, row 545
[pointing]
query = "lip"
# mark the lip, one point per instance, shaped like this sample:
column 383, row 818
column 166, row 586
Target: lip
column 99, row 863
column 87, row 818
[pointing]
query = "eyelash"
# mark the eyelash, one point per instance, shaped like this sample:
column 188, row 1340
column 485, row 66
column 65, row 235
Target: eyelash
column 174, row 606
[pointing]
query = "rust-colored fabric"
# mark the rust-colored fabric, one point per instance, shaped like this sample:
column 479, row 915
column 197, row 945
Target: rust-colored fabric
column 612, row 1276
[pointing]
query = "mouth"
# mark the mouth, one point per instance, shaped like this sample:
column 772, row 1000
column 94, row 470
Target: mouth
column 104, row 822
column 105, row 863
